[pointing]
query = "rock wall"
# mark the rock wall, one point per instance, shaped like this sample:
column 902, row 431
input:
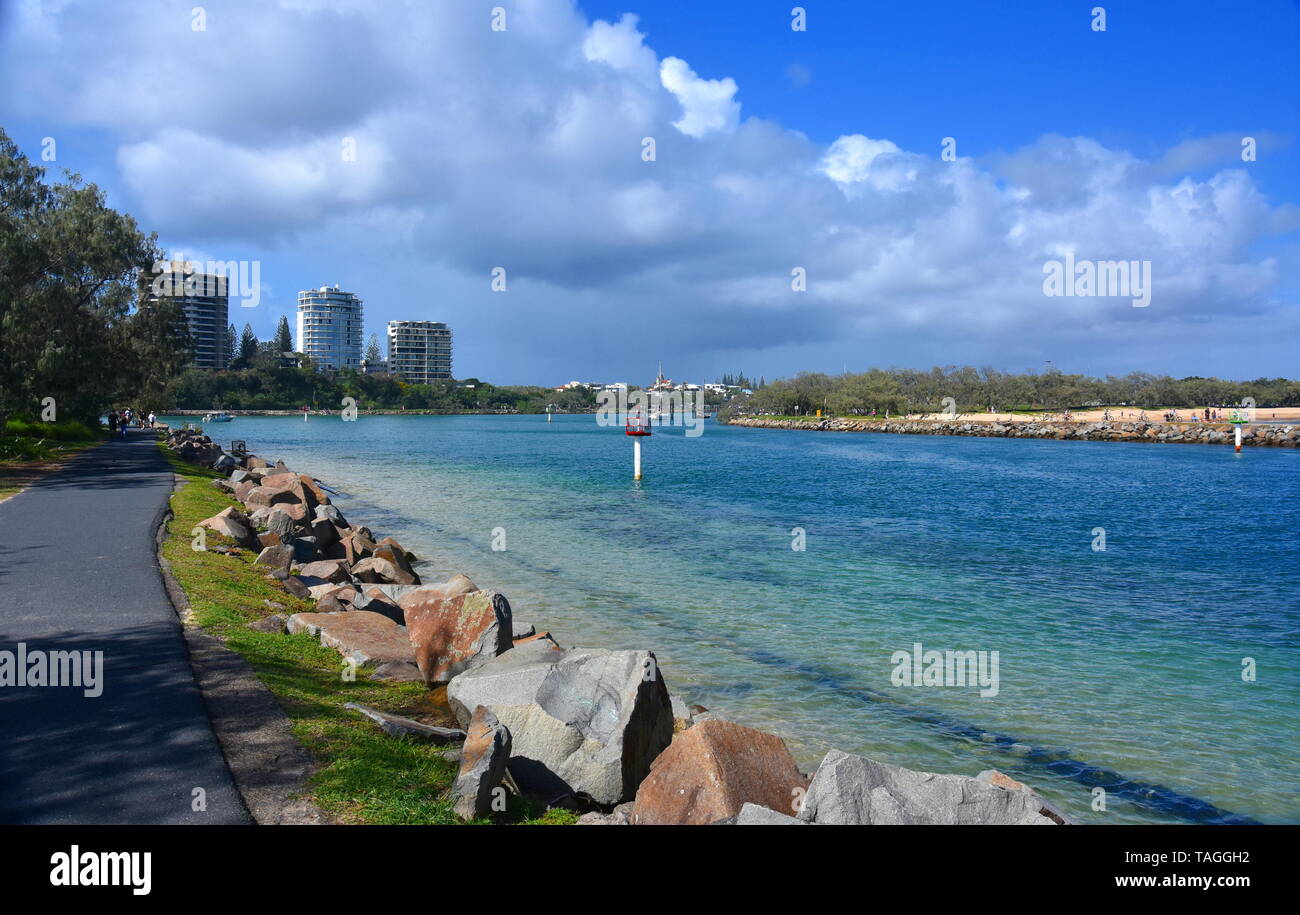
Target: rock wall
column 1285, row 436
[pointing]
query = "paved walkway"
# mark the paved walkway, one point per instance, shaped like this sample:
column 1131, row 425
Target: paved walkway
column 77, row 572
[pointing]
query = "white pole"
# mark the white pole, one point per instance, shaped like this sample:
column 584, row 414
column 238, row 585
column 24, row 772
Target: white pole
column 1236, row 427
column 636, row 457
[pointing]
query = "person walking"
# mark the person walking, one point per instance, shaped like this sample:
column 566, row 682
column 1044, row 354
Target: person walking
column 112, row 424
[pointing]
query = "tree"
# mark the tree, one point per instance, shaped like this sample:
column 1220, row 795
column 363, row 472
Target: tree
column 373, row 353
column 283, row 338
column 232, row 337
column 73, row 323
column 247, row 347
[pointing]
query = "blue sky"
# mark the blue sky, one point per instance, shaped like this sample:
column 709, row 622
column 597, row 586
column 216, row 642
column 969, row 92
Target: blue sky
column 522, row 149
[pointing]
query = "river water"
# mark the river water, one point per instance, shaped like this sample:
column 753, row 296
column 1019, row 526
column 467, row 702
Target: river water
column 1119, row 669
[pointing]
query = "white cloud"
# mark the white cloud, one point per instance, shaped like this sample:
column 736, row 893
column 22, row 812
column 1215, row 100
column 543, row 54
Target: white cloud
column 849, row 159
column 707, row 104
column 523, row 148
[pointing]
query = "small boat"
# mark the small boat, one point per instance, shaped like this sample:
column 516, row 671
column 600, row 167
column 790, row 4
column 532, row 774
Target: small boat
column 218, row 417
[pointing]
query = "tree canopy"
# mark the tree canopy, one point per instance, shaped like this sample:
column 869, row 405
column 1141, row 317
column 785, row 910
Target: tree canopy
column 75, row 321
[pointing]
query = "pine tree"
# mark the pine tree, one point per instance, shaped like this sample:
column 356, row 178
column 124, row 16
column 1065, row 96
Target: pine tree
column 247, row 347
column 373, row 353
column 232, row 338
column 283, row 338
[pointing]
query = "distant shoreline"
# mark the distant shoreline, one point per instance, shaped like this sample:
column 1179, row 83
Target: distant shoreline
column 1211, row 433
column 384, row 411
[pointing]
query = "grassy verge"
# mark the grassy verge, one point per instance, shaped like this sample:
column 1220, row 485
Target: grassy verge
column 28, row 451
column 364, row 775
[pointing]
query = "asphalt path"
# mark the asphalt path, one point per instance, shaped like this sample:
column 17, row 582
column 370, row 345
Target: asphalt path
column 78, row 573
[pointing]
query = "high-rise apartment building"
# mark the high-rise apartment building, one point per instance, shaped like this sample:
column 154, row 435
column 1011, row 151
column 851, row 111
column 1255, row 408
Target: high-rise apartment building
column 204, row 299
column 419, row 351
column 329, row 328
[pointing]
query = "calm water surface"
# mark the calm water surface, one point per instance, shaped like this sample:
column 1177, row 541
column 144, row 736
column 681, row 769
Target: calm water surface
column 1120, row 669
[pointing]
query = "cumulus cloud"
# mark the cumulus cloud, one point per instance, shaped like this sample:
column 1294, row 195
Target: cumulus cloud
column 708, row 105
column 523, row 148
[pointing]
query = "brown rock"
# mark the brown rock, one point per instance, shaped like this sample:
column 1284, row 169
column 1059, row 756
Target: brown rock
column 358, row 547
column 292, row 585
column 377, row 570
column 482, row 765
column 270, row 538
column 366, row 638
column 428, row 595
column 712, row 770
column 234, row 524
column 392, row 552
column 243, row 488
column 328, row 569
column 453, row 634
column 278, row 556
column 376, row 601
column 404, row 553
column 257, row 496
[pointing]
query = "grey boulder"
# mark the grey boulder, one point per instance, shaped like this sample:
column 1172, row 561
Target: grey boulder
column 584, row 722
column 758, row 815
column 482, row 765
column 856, row 791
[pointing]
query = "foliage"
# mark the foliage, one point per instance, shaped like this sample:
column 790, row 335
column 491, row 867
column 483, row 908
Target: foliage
column 978, row 390
column 266, row 385
column 74, row 324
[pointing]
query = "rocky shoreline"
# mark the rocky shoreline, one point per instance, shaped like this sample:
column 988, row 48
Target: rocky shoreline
column 1260, row 434
column 588, row 729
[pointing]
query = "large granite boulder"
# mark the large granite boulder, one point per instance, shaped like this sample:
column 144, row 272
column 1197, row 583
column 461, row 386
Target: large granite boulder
column 357, row 546
column 428, row 595
column 380, row 570
column 483, row 762
column 326, row 534
column 1046, row 807
column 368, row 639
column 225, row 463
column 329, row 569
column 584, row 722
column 376, row 601
column 233, row 523
column 712, row 770
column 277, row 557
column 389, row 550
column 854, row 790
column 455, row 633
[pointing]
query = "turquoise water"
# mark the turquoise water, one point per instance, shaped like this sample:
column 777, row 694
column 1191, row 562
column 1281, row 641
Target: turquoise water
column 1119, row 668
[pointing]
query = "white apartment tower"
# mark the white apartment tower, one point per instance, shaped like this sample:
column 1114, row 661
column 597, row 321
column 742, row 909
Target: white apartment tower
column 419, row 351
column 329, row 328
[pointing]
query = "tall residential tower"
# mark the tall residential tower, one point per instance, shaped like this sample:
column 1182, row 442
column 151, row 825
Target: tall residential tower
column 329, row 328
column 204, row 299
column 419, row 351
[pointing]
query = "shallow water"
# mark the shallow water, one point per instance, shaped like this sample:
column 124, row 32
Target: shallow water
column 1119, row 668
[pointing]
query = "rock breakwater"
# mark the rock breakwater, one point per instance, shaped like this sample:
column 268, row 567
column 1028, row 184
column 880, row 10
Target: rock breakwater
column 1259, row 434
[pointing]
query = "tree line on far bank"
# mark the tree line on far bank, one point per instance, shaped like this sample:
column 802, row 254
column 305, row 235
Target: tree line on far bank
column 981, row 390
column 265, row 384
